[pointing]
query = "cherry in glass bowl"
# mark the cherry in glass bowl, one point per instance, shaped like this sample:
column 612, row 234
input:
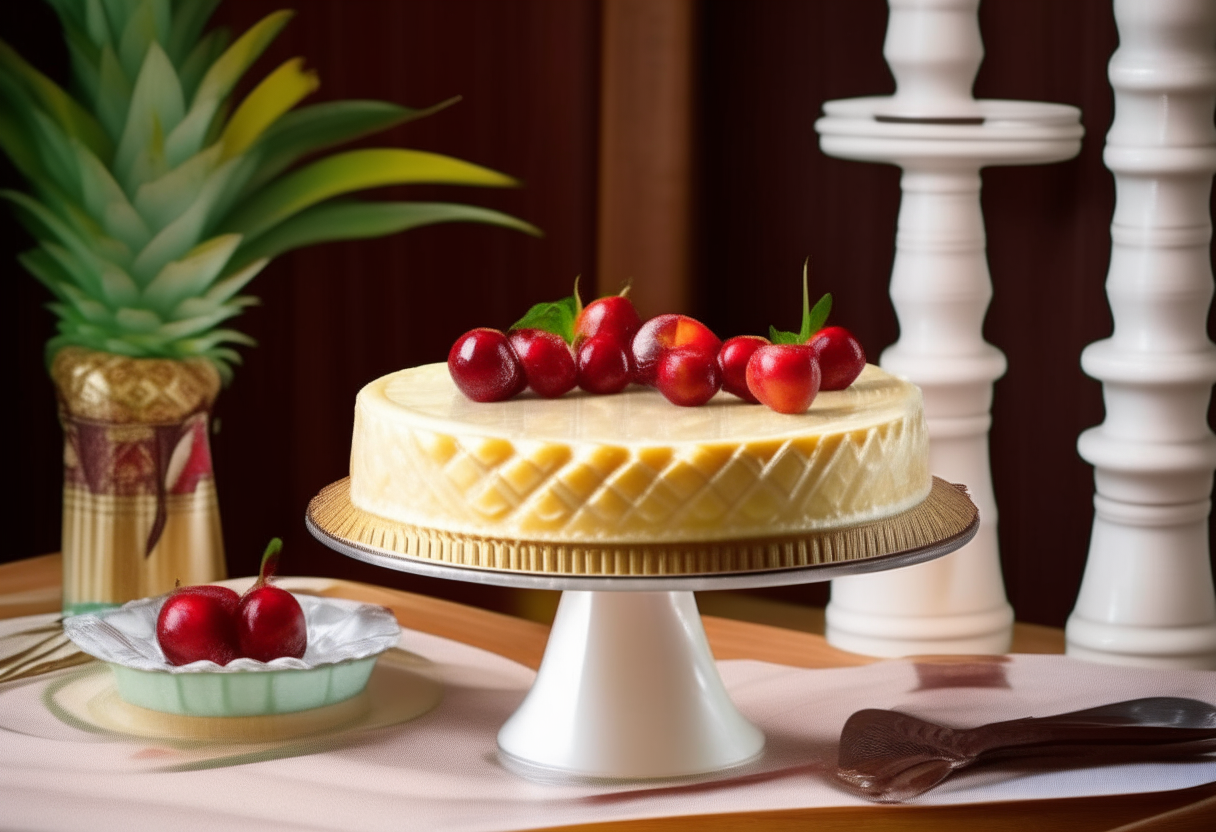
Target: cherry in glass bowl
column 344, row 639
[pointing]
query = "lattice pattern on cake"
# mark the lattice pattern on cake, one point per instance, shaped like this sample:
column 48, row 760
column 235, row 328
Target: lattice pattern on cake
column 549, row 490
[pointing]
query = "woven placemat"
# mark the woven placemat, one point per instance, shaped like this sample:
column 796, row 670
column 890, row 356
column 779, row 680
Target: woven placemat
column 945, row 514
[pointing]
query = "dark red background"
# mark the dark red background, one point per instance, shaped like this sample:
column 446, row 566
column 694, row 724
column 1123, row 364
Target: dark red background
column 335, row 316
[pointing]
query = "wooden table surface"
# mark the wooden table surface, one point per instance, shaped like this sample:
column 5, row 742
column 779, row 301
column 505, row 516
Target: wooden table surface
column 32, row 586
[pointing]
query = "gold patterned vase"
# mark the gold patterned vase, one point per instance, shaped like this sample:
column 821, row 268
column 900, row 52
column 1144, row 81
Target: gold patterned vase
column 139, row 502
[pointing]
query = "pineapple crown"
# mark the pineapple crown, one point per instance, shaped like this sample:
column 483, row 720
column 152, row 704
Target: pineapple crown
column 155, row 198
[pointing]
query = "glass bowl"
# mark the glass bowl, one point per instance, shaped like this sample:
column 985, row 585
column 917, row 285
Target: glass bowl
column 344, row 640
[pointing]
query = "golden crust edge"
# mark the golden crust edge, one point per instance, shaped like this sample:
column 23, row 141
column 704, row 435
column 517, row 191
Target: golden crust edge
column 945, row 513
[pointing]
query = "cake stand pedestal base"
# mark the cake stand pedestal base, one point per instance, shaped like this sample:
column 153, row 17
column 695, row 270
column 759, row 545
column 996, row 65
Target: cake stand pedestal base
column 627, row 688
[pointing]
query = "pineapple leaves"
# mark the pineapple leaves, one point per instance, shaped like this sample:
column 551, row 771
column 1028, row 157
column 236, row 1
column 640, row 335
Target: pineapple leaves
column 279, row 92
column 319, row 126
column 46, row 225
column 222, row 357
column 188, row 327
column 113, row 94
column 86, row 60
column 80, row 274
column 159, row 195
column 56, row 269
column 354, row 220
column 137, row 321
column 334, row 122
column 191, row 275
column 217, row 336
column 185, row 232
column 189, row 19
column 17, row 144
column 224, row 73
column 222, row 291
column 201, row 57
column 157, row 107
column 163, row 200
column 102, row 197
column 118, row 287
column 96, row 22
column 188, row 137
column 73, row 119
column 354, row 170
column 86, row 307
column 49, row 273
column 146, row 23
column 107, row 284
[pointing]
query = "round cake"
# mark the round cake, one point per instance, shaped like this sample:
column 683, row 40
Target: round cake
column 627, row 483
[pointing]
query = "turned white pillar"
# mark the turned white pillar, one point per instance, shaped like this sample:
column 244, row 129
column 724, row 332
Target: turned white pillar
column 940, row 286
column 1147, row 597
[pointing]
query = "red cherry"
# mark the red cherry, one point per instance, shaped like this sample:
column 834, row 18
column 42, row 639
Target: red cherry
column 269, row 621
column 614, row 316
column 841, row 358
column 198, row 623
column 664, row 333
column 732, row 360
column 484, row 366
column 603, row 365
column 688, row 377
column 784, row 376
column 546, row 359
column 270, row 624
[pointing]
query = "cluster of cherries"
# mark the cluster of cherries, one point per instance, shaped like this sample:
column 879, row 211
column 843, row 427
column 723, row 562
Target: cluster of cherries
column 215, row 624
column 605, row 346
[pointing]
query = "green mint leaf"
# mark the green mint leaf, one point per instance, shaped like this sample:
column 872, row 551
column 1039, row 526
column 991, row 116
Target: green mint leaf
column 818, row 316
column 778, row 337
column 555, row 316
column 813, row 318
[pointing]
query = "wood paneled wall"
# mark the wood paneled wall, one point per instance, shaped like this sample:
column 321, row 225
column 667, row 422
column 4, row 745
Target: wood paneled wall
column 547, row 99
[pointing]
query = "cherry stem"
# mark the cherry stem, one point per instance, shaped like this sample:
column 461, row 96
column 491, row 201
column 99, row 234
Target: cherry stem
column 270, row 561
column 805, row 334
column 813, row 319
column 578, row 301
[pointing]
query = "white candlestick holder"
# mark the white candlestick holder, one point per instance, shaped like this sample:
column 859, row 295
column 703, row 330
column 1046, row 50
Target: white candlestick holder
column 1147, row 596
column 940, row 285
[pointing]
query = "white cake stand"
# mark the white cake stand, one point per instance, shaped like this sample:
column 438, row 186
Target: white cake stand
column 628, row 688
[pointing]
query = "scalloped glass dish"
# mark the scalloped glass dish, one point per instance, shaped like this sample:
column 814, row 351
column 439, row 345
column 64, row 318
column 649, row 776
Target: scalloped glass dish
column 344, row 640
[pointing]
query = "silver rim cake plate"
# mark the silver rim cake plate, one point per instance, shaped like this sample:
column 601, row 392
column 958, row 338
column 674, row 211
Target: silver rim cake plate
column 628, row 688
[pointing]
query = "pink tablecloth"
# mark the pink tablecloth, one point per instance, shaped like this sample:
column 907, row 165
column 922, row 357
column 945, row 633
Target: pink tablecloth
column 59, row 770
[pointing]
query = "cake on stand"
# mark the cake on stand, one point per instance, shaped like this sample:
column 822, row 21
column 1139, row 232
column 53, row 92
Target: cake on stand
column 628, row 688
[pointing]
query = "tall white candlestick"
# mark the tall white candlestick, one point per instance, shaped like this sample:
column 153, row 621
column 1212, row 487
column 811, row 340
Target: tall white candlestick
column 941, row 137
column 1147, row 597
